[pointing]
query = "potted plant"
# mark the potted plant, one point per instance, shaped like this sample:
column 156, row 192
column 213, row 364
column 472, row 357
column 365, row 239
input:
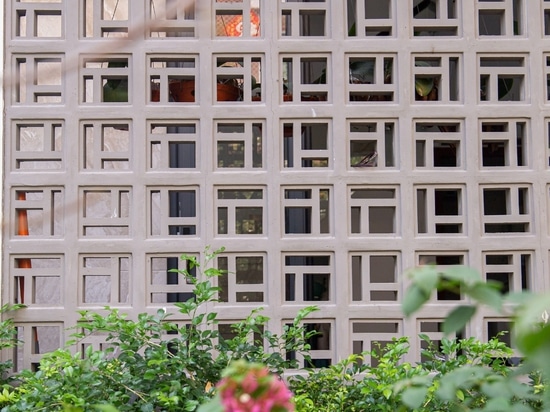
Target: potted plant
column 226, row 90
column 362, row 71
column 425, row 88
column 182, row 90
column 115, row 89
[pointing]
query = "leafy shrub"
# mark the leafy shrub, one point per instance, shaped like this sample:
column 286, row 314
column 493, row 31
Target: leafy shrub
column 392, row 384
column 473, row 380
column 8, row 335
column 459, row 375
column 152, row 363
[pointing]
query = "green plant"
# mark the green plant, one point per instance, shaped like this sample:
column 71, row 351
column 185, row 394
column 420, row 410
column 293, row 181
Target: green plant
column 236, row 85
column 363, row 71
column 8, row 339
column 456, row 374
column 354, row 385
column 151, row 363
column 454, row 353
column 467, row 368
column 268, row 348
column 116, row 89
column 328, row 389
column 486, row 384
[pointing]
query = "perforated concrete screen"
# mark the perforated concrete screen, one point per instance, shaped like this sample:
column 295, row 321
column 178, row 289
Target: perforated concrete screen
column 329, row 145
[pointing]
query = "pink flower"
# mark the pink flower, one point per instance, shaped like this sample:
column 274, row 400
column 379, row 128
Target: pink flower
column 248, row 387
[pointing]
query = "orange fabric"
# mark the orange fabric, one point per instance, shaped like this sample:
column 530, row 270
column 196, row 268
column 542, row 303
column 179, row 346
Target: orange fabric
column 22, row 230
column 22, row 222
column 232, row 26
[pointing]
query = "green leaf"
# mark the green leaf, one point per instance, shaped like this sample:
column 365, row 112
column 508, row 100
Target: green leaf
column 496, row 390
column 105, row 408
column 458, row 318
column 519, row 407
column 485, row 294
column 532, row 334
column 213, row 406
column 536, row 345
column 387, row 393
column 213, row 272
column 190, row 406
column 423, row 86
column 414, row 397
column 150, row 375
column 414, row 299
column 450, row 382
column 462, row 274
column 519, row 298
column 498, row 405
column 460, row 395
column 504, row 87
column 362, row 71
column 426, row 278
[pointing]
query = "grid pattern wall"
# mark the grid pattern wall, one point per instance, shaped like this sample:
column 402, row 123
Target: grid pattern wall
column 328, row 145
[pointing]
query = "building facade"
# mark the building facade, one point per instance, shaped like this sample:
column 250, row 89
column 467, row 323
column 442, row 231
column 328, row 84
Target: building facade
column 328, row 145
